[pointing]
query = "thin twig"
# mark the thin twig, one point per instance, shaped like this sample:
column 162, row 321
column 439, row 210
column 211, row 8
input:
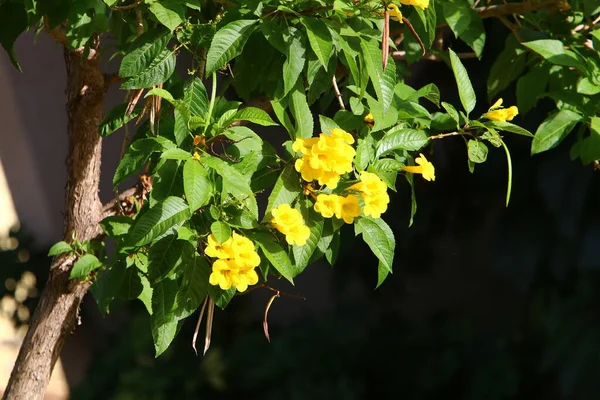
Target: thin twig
column 336, row 90
column 401, row 55
column 127, row 7
column 415, row 34
column 443, row 135
column 265, row 323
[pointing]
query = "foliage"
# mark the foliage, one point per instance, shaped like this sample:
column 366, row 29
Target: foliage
column 207, row 161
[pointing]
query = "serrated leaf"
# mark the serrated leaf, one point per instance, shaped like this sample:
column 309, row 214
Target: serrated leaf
column 254, row 115
column 530, row 88
column 169, row 13
column 168, row 181
column 194, row 287
column 508, row 66
column 305, row 123
column 143, row 53
column 276, row 255
column 295, row 59
column 84, row 266
column 466, row 24
column 221, row 231
column 227, row 43
column 116, row 118
column 287, row 188
column 319, row 38
column 234, row 183
column 554, row 51
column 164, row 323
column 60, row 248
column 508, row 127
column 164, row 256
column 158, row 219
column 382, row 273
column 465, row 88
column 116, row 225
column 380, row 238
column 221, row 297
column 107, row 284
column 553, row 130
column 477, row 151
column 160, row 69
column 303, row 254
column 175, row 154
column 383, row 81
column 137, row 154
column 401, row 139
column 14, row 22
column 196, row 185
column 365, row 152
column 327, row 124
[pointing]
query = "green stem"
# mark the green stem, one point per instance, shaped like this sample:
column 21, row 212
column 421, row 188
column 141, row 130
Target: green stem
column 213, row 95
column 509, row 162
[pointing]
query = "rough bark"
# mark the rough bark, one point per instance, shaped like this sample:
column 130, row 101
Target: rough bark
column 57, row 312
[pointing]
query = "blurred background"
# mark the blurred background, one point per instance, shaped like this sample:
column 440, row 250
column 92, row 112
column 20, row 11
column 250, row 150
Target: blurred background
column 486, row 302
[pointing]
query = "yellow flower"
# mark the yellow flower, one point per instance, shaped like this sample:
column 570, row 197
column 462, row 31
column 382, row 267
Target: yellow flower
column 346, row 208
column 289, row 221
column 424, row 168
column 236, row 260
column 196, row 156
column 374, row 194
column 417, row 3
column 396, row 15
column 325, row 158
column 501, row 114
column 228, row 273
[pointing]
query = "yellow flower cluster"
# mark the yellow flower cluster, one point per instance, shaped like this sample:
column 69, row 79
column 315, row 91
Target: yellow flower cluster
column 374, row 194
column 237, row 258
column 326, row 157
column 499, row 114
column 423, row 167
column 395, row 13
column 346, row 208
column 289, row 221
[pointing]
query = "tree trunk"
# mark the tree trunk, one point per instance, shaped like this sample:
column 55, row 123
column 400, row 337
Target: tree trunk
column 57, row 312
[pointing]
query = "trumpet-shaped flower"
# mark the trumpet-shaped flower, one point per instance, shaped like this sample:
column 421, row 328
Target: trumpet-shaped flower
column 346, row 208
column 236, row 260
column 423, row 167
column 289, row 221
column 374, row 193
column 325, row 158
column 396, row 15
column 497, row 113
column 417, row 3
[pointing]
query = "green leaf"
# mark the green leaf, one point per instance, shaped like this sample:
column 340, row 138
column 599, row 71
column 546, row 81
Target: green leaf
column 196, row 185
column 553, row 130
column 221, row 231
column 116, row 118
column 327, row 124
column 303, row 254
column 84, row 266
column 116, row 225
column 168, row 181
column 227, row 43
column 255, row 115
column 477, row 151
column 508, row 66
column 221, row 297
column 465, row 89
column 466, row 24
column 164, row 256
column 530, row 88
column 14, row 22
column 60, row 248
column 195, row 97
column 168, row 12
column 554, row 51
column 158, row 219
column 383, row 81
column 194, row 287
column 430, row 91
column 382, row 273
column 365, row 152
column 158, row 72
column 287, row 188
column 276, row 255
column 305, row 124
column 587, row 86
column 164, row 323
column 380, row 238
column 319, row 38
column 145, row 50
column 403, row 139
column 295, row 52
column 508, row 127
column 452, row 113
column 107, row 284
column 234, row 183
column 175, row 154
